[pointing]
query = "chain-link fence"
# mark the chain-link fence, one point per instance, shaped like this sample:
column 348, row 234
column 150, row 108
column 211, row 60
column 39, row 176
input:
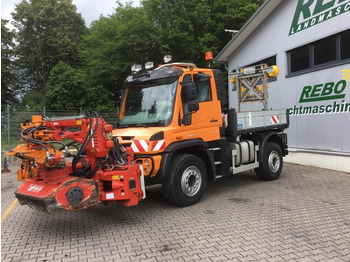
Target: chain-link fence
column 11, row 123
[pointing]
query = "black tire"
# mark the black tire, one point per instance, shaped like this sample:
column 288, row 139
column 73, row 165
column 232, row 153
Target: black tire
column 272, row 162
column 187, row 181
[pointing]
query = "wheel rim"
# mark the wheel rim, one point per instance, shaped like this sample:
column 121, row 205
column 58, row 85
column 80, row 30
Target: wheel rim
column 274, row 161
column 191, row 181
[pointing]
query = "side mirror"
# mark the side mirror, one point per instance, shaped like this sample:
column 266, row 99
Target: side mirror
column 189, row 91
column 193, row 106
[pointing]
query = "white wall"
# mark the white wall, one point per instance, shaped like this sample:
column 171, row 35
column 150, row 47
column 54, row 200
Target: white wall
column 324, row 132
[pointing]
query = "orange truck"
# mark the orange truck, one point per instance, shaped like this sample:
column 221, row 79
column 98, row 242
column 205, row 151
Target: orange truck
column 172, row 130
column 173, row 119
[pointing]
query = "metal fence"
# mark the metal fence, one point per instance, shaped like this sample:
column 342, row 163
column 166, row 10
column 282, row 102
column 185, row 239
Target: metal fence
column 11, row 122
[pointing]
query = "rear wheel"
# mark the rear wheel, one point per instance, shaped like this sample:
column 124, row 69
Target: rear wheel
column 187, row 180
column 272, row 162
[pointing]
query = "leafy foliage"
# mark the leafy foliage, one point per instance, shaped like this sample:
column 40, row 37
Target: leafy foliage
column 65, row 65
column 185, row 29
column 115, row 43
column 9, row 79
column 48, row 31
column 68, row 88
column 188, row 29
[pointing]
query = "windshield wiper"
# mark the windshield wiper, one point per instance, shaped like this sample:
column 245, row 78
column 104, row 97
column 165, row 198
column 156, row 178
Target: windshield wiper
column 122, row 126
column 159, row 123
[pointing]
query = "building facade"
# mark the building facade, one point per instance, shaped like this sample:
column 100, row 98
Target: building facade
column 310, row 43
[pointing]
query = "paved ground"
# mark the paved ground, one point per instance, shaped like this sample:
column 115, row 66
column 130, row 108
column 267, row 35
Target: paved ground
column 303, row 216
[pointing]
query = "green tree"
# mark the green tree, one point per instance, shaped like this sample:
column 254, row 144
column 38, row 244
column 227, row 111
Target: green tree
column 188, row 29
column 115, row 43
column 68, row 88
column 184, row 29
column 49, row 31
column 9, row 78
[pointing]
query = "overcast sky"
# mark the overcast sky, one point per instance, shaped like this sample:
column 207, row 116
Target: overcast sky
column 89, row 9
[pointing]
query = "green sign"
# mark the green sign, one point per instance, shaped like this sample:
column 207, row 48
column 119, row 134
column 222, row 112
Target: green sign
column 336, row 107
column 323, row 92
column 312, row 12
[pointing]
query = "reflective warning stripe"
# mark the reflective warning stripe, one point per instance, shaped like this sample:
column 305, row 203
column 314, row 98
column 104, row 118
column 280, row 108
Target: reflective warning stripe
column 134, row 147
column 139, row 146
column 160, row 145
column 275, row 119
column 144, row 145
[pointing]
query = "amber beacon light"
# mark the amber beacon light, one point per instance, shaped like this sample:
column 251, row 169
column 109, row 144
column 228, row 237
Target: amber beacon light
column 208, row 56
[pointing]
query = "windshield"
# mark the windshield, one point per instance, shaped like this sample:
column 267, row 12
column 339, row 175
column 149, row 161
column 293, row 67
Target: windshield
column 149, row 103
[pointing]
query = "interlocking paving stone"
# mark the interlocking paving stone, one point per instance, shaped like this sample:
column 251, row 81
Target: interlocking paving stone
column 303, row 216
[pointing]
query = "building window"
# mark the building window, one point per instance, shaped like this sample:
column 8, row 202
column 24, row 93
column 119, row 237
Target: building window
column 323, row 53
column 345, row 45
column 270, row 61
column 299, row 59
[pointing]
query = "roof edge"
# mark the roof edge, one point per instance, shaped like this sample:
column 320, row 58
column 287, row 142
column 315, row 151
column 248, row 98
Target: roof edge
column 221, row 58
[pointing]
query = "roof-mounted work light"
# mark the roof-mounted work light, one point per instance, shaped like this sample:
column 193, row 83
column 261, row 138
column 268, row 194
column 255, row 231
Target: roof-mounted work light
column 168, row 58
column 136, row 68
column 149, row 65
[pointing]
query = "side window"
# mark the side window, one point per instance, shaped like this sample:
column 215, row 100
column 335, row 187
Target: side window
column 203, row 88
column 187, row 78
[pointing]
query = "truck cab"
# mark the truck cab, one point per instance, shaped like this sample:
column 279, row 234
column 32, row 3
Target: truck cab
column 172, row 118
column 171, row 105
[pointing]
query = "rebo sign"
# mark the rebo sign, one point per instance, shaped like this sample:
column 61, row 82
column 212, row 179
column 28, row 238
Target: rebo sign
column 323, row 92
column 312, row 12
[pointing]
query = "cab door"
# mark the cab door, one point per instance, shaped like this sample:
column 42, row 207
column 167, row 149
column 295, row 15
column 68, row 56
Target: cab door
column 205, row 122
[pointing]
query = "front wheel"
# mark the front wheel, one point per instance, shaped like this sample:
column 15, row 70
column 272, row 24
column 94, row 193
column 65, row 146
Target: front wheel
column 187, row 180
column 272, row 162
